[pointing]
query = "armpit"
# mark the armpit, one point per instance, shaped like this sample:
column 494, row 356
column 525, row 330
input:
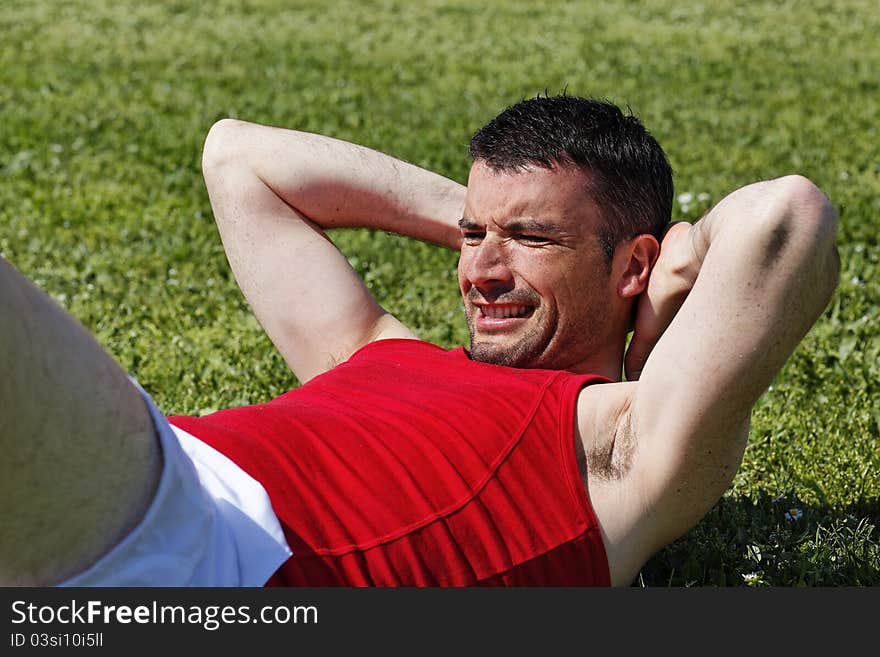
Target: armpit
column 611, row 460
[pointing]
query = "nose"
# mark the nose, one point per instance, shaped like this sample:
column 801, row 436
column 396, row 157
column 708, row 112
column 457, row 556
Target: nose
column 487, row 266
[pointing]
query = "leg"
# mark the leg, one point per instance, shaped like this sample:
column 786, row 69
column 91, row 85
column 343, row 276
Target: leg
column 79, row 460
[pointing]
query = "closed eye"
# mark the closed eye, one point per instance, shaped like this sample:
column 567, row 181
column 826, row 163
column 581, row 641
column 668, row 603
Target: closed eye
column 533, row 239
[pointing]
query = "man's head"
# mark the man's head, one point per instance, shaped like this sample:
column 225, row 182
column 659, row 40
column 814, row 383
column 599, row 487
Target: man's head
column 566, row 201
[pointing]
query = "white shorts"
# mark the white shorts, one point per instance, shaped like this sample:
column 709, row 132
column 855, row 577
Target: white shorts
column 210, row 524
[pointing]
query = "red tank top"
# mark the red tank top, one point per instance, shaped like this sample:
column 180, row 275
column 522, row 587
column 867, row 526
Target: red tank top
column 411, row 465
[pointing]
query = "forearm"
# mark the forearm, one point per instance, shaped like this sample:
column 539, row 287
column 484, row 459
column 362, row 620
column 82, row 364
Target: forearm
column 337, row 184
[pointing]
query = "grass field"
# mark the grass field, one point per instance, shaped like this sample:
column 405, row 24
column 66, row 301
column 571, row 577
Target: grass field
column 105, row 106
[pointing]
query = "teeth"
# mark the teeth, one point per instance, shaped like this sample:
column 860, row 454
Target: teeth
column 503, row 312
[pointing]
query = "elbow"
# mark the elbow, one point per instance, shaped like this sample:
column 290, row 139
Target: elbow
column 221, row 148
column 807, row 212
column 810, row 208
column 818, row 219
column 804, row 221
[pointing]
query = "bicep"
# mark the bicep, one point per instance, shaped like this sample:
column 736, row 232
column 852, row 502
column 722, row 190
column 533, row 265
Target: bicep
column 308, row 298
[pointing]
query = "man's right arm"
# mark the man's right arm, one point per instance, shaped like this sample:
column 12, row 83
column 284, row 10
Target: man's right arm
column 274, row 192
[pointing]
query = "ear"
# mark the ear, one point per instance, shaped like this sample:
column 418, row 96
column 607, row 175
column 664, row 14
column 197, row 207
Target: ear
column 634, row 260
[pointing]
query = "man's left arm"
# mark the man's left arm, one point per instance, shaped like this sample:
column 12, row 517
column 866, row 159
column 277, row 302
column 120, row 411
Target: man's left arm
column 763, row 265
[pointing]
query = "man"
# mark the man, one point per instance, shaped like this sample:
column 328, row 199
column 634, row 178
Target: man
column 525, row 460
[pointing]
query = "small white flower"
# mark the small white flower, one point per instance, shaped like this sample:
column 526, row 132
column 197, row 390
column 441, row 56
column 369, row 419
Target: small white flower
column 702, row 197
column 794, row 514
column 687, row 197
column 776, row 499
column 685, row 208
column 751, row 578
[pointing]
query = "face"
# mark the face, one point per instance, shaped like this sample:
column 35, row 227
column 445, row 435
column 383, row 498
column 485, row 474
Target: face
column 536, row 286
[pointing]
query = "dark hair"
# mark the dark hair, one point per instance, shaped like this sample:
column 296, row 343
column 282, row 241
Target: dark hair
column 630, row 177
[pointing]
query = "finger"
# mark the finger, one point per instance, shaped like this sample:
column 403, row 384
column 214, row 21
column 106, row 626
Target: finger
column 643, row 339
column 636, row 357
column 670, row 226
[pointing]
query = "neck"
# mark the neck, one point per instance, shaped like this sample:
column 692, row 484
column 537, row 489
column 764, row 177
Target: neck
column 606, row 361
column 608, row 364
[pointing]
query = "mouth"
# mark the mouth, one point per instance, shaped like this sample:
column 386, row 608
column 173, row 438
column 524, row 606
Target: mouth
column 502, row 316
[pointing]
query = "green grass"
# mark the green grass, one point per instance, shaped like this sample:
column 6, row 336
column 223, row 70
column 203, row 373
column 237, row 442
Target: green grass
column 105, row 106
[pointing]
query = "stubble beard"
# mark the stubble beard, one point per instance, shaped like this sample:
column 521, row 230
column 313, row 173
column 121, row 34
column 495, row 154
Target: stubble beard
column 532, row 349
column 523, row 352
